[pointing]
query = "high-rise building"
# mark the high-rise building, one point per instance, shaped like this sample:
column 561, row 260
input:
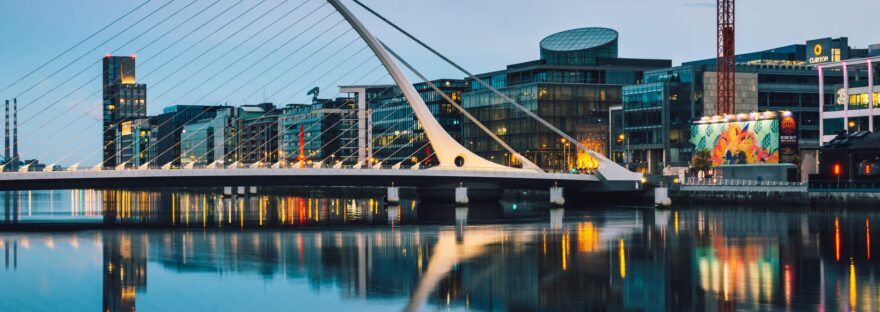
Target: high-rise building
column 577, row 79
column 124, row 99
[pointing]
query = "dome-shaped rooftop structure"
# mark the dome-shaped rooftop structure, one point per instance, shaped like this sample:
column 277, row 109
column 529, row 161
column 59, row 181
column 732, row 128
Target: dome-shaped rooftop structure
column 580, row 46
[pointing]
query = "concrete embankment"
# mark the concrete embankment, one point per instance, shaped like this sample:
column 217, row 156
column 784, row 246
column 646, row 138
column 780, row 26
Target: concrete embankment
column 782, row 195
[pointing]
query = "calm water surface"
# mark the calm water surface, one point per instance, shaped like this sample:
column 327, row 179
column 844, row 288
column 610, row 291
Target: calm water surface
column 298, row 250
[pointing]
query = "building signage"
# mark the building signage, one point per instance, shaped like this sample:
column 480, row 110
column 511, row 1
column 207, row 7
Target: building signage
column 788, row 139
column 820, row 54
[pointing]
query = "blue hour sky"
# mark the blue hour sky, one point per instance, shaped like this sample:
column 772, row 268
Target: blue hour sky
column 60, row 115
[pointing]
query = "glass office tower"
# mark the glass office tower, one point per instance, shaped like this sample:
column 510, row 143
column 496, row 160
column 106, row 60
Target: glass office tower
column 124, row 99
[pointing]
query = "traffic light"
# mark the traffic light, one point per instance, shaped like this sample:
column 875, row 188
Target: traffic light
column 836, row 169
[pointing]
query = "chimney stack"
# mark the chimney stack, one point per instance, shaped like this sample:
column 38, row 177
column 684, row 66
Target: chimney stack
column 6, row 145
column 15, row 155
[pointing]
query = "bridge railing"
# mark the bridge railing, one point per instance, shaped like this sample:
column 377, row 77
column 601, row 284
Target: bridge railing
column 737, row 182
column 471, row 170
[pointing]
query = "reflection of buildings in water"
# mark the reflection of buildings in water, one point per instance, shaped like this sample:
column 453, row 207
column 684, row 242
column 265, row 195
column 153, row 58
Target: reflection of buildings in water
column 593, row 261
column 125, row 270
column 207, row 209
column 14, row 253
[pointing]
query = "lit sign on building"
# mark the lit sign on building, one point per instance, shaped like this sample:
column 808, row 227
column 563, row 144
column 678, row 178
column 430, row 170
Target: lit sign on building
column 819, row 55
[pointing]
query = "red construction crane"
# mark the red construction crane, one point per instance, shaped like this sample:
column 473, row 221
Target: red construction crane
column 726, row 63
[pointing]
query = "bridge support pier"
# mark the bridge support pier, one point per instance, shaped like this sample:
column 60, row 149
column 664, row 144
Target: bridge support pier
column 393, row 195
column 556, row 196
column 461, row 195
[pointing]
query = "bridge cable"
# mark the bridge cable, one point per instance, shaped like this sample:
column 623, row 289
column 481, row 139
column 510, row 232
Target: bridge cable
column 206, row 37
column 160, row 52
column 90, row 51
column 225, row 54
column 525, row 161
column 95, row 63
column 201, row 113
column 486, row 85
column 167, row 48
column 75, row 46
column 320, row 77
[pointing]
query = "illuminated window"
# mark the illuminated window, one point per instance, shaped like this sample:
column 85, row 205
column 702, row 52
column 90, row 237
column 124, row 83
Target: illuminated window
column 835, row 55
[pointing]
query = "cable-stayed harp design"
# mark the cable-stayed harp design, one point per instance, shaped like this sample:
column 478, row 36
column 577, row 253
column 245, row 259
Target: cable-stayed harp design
column 449, row 152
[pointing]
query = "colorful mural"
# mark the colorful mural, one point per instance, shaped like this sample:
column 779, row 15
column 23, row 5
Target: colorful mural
column 738, row 142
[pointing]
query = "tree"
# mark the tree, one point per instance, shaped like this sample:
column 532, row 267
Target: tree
column 702, row 161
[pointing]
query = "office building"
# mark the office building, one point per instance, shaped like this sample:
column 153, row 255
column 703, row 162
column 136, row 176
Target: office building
column 124, row 99
column 170, row 126
column 577, row 79
column 398, row 137
column 324, row 131
column 652, row 132
column 136, row 141
column 210, row 140
column 256, row 134
column 853, row 104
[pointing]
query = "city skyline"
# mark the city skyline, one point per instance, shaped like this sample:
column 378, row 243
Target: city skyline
column 50, row 31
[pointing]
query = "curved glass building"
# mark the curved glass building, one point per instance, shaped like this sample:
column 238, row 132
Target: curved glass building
column 578, row 47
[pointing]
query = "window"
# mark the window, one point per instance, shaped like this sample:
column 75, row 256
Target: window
column 832, row 126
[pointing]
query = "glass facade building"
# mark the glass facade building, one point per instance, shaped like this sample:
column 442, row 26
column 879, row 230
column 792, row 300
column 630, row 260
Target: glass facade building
column 328, row 129
column 397, row 135
column 577, row 80
column 123, row 100
column 208, row 141
column 135, row 141
column 653, row 132
column 170, row 128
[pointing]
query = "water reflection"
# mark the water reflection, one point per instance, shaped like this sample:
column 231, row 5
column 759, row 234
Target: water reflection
column 614, row 259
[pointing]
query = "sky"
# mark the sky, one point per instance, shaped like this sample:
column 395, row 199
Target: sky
column 277, row 50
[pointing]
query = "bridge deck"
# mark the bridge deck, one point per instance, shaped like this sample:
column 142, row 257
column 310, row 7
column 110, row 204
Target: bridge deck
column 293, row 177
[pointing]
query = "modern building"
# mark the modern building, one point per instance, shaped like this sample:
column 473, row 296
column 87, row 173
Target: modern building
column 397, row 135
column 210, row 140
column 124, row 99
column 325, row 130
column 575, row 82
column 256, row 134
column 136, row 141
column 655, row 118
column 854, row 102
column 170, row 126
column 364, row 96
